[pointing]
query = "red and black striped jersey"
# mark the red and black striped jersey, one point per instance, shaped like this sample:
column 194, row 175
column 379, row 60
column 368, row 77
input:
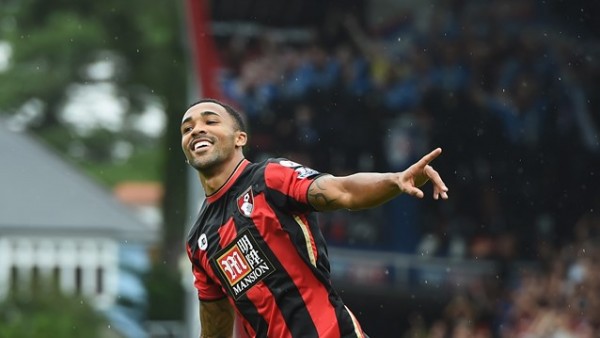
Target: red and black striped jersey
column 257, row 242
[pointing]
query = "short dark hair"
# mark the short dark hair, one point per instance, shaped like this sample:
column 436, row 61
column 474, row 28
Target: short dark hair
column 237, row 117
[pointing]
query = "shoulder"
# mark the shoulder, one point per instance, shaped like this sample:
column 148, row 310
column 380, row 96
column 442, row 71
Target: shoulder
column 284, row 165
column 284, row 174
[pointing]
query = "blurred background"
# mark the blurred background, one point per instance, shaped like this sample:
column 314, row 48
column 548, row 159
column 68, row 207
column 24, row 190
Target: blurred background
column 95, row 196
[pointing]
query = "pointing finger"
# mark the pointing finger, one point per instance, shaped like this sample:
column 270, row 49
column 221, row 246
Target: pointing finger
column 429, row 157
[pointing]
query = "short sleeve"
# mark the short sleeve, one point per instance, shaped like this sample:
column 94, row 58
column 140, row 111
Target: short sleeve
column 288, row 183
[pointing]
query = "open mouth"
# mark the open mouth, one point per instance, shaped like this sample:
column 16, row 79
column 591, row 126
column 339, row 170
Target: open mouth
column 200, row 145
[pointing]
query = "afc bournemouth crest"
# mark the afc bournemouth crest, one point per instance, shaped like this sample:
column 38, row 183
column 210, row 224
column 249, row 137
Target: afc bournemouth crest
column 242, row 264
column 245, row 202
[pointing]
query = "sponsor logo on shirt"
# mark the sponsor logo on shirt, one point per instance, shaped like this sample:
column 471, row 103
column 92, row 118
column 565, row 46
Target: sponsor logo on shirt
column 242, row 264
column 245, row 202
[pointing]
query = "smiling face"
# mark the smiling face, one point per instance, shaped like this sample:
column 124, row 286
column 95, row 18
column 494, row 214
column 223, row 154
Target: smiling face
column 210, row 137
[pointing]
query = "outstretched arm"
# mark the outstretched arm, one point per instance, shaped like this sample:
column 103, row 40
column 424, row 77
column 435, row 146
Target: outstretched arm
column 367, row 190
column 216, row 319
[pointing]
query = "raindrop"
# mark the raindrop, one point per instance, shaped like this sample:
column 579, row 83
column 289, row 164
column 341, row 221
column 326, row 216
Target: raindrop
column 108, row 326
column 399, row 39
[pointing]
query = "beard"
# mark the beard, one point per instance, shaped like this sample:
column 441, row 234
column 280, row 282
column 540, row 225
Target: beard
column 207, row 162
column 211, row 162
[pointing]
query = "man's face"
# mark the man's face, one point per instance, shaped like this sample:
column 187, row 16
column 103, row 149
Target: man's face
column 209, row 136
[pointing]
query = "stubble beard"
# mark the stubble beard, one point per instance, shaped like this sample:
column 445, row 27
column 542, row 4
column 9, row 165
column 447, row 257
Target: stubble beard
column 207, row 163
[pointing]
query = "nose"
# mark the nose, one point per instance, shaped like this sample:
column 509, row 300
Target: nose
column 198, row 130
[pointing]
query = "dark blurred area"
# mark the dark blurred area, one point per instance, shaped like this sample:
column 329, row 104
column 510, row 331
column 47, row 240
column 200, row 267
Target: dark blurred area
column 508, row 89
column 292, row 13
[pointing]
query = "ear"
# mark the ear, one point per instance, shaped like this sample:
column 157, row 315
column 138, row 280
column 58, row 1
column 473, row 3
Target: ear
column 241, row 139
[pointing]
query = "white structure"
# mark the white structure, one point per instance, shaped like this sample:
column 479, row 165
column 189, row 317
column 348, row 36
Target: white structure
column 58, row 225
column 87, row 266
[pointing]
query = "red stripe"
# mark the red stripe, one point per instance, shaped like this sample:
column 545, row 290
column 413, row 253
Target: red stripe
column 204, row 52
column 263, row 299
column 246, row 326
column 286, row 181
column 228, row 232
column 314, row 293
column 257, row 294
column 266, row 308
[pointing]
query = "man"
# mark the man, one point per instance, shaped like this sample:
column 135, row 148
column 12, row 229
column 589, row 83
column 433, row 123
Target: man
column 256, row 249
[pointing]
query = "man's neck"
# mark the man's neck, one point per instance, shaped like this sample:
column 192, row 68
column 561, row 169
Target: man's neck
column 213, row 180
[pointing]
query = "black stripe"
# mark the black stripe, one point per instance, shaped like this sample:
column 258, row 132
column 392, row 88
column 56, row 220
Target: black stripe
column 292, row 227
column 246, row 307
column 251, row 315
column 345, row 322
column 287, row 296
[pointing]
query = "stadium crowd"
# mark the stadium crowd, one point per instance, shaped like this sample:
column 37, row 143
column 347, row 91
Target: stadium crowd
column 508, row 96
column 558, row 295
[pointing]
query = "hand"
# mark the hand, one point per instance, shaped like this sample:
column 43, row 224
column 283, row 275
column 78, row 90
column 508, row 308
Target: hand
column 419, row 173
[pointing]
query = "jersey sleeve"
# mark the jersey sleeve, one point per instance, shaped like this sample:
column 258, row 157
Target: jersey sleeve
column 288, row 183
column 208, row 290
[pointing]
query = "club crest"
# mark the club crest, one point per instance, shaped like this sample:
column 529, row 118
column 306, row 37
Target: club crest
column 245, row 202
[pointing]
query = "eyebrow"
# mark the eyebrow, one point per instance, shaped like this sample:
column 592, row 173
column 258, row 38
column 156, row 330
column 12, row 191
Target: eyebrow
column 204, row 113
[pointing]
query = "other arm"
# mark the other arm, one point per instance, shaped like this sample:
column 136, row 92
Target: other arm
column 216, row 319
column 367, row 190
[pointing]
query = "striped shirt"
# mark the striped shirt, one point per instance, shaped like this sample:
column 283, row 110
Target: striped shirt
column 257, row 242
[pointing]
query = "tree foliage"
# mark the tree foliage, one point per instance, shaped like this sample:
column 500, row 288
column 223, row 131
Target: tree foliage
column 49, row 314
column 53, row 45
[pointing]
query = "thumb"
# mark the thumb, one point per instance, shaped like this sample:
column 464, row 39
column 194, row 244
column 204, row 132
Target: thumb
column 416, row 192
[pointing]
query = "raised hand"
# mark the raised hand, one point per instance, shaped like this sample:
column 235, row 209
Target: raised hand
column 419, row 173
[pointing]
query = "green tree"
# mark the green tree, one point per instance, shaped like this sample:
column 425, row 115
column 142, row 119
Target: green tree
column 54, row 44
column 50, row 314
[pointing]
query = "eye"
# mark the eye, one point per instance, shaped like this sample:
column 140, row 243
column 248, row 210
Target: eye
column 186, row 129
column 211, row 122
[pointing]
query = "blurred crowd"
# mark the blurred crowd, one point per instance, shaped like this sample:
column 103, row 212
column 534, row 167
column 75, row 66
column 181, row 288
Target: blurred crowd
column 556, row 297
column 502, row 88
column 509, row 93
